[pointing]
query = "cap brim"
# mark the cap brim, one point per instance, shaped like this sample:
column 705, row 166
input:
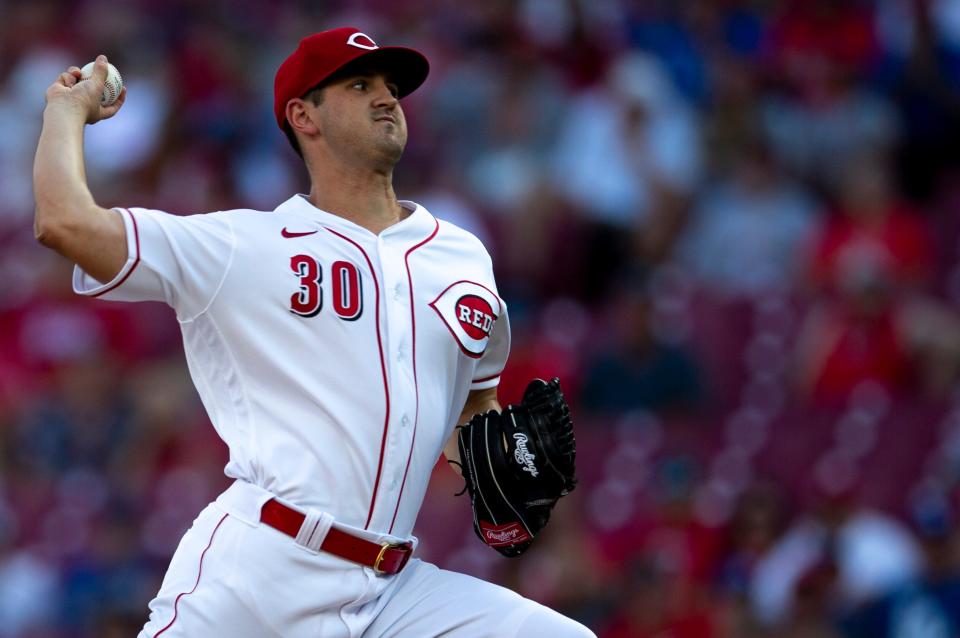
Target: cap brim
column 407, row 68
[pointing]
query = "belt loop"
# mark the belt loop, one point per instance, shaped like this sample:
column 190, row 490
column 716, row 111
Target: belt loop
column 314, row 529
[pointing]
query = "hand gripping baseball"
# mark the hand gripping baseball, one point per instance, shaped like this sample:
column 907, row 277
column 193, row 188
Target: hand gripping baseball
column 72, row 92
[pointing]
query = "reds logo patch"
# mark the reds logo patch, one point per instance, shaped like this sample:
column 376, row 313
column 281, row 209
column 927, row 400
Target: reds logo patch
column 469, row 311
column 475, row 316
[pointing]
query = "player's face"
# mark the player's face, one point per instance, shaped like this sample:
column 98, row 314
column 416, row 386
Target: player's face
column 361, row 116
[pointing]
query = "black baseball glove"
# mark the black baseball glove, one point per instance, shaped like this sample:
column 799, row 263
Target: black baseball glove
column 517, row 464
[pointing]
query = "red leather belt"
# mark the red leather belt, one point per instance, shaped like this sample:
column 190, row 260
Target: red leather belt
column 384, row 558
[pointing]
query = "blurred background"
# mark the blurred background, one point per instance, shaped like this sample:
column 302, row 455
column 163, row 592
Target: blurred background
column 730, row 226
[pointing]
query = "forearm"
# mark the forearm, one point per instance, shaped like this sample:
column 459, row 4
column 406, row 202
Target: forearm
column 59, row 179
column 478, row 401
column 67, row 219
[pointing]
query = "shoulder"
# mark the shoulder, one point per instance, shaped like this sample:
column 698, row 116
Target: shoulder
column 462, row 240
column 448, row 233
column 225, row 217
column 226, row 225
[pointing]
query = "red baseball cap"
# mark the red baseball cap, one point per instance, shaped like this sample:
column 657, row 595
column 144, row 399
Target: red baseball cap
column 322, row 54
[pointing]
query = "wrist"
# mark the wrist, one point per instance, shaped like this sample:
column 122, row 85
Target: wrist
column 65, row 109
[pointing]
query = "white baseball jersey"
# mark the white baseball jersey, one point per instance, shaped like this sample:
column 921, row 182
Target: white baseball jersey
column 333, row 362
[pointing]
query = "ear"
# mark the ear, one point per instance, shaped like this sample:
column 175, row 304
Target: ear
column 299, row 116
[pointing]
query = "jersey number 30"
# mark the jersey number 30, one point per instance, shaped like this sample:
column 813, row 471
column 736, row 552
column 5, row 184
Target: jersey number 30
column 347, row 288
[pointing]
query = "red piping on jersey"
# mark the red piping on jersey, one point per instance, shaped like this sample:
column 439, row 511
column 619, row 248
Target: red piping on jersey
column 136, row 239
column 467, row 281
column 383, row 370
column 490, row 378
column 472, row 355
column 199, row 573
column 416, row 388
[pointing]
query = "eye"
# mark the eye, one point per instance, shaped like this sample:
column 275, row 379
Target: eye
column 360, row 84
column 394, row 89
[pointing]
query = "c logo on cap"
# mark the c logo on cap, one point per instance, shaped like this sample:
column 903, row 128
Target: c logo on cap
column 352, row 41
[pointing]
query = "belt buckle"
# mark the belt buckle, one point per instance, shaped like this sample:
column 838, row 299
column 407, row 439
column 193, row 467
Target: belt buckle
column 383, row 551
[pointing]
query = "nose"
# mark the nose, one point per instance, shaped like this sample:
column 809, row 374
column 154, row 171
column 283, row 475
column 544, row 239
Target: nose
column 382, row 97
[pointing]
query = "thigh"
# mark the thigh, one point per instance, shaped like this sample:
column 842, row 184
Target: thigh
column 427, row 601
column 229, row 578
column 194, row 599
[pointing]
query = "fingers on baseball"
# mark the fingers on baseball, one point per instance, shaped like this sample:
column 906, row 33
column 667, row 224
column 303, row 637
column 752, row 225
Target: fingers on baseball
column 100, row 68
column 67, row 79
column 110, row 111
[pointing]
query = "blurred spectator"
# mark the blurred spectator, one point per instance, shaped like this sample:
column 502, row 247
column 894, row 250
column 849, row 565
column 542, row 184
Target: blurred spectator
column 634, row 369
column 851, row 340
column 656, row 603
column 756, row 524
column 106, row 576
column 867, row 259
column 930, row 605
column 81, row 423
column 748, row 229
column 910, row 346
column 823, row 117
column 872, row 230
column 20, row 97
column 681, row 35
column 900, row 23
column 628, row 156
column 808, row 33
column 839, row 557
column 29, row 594
column 733, row 123
column 527, row 106
column 670, row 557
column 812, row 604
column 542, row 251
column 922, row 73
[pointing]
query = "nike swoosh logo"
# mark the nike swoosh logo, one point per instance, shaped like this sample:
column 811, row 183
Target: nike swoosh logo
column 289, row 235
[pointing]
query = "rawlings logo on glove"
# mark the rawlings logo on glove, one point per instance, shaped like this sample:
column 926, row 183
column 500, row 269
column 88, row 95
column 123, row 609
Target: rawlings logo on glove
column 523, row 456
column 517, row 464
column 501, row 535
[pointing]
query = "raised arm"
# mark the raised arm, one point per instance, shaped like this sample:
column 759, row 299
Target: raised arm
column 67, row 218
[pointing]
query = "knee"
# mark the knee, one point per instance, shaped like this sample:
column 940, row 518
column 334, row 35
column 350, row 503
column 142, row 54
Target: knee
column 546, row 623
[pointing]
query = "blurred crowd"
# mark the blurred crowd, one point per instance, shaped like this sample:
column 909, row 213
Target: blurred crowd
column 732, row 227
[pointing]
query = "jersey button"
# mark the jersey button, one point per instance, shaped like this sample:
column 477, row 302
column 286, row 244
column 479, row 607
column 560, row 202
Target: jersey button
column 397, row 290
column 405, row 421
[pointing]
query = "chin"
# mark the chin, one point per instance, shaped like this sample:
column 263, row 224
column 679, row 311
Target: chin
column 391, row 150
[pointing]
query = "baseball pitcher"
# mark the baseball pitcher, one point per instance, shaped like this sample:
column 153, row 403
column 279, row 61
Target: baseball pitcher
column 340, row 343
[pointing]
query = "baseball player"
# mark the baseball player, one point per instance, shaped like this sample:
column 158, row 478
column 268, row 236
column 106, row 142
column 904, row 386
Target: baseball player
column 336, row 342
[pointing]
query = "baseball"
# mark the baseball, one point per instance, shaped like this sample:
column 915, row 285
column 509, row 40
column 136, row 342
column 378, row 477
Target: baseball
column 112, row 87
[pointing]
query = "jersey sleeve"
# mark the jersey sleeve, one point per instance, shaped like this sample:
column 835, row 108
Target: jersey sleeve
column 181, row 261
column 494, row 359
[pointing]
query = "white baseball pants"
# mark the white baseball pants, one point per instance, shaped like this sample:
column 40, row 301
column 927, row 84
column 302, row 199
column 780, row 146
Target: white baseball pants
column 232, row 576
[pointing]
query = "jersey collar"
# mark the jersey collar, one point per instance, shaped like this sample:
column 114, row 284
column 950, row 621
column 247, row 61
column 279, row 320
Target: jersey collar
column 418, row 225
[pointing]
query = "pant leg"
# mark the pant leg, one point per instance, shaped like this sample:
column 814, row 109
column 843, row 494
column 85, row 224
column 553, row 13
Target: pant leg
column 426, row 601
column 231, row 578
column 194, row 599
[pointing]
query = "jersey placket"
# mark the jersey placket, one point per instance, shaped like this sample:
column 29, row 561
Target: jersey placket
column 399, row 354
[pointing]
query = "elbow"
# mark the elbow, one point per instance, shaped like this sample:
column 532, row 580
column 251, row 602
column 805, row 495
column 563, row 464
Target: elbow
column 54, row 224
column 45, row 233
column 52, row 231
